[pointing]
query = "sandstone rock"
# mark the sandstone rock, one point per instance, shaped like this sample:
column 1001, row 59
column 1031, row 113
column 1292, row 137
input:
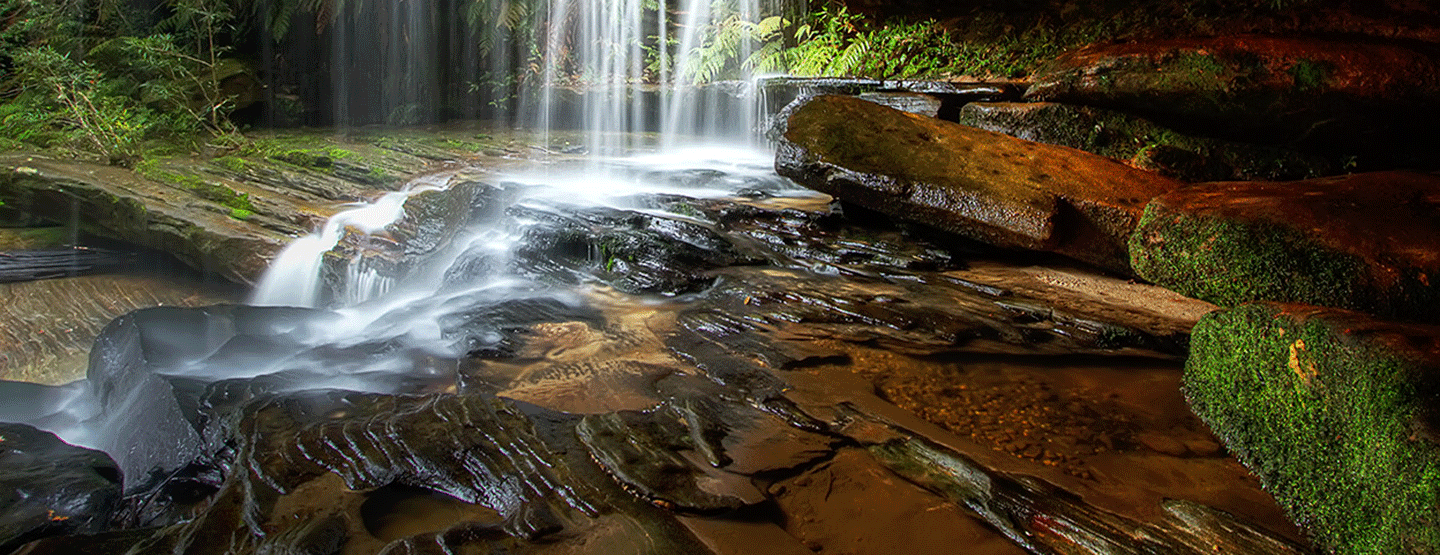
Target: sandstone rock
column 1141, row 143
column 1345, row 94
column 986, row 186
column 1335, row 412
column 781, row 96
column 1367, row 242
column 116, row 203
column 47, row 327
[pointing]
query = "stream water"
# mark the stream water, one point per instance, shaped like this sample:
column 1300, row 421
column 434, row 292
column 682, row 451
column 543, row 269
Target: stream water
column 646, row 290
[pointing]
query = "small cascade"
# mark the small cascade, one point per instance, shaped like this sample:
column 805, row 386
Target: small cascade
column 294, row 277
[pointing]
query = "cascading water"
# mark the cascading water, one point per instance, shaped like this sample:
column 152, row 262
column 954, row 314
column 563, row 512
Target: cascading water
column 597, row 58
column 361, row 328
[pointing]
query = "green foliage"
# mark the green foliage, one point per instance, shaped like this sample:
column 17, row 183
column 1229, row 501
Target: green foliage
column 82, row 75
column 834, row 41
column 843, row 43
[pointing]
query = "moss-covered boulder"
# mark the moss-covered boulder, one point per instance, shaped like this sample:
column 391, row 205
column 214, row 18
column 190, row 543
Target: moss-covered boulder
column 1336, row 412
column 1347, row 94
column 1142, row 143
column 986, row 186
column 1367, row 242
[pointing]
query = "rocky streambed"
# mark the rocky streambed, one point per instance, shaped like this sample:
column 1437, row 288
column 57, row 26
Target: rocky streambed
column 954, row 346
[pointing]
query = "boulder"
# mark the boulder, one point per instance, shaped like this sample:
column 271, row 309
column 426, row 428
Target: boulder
column 1367, row 242
column 1335, row 411
column 781, row 96
column 985, row 186
column 50, row 488
column 1142, row 143
column 1343, row 93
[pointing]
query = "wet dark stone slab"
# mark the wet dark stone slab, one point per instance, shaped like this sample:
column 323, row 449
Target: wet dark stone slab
column 51, row 488
column 634, row 252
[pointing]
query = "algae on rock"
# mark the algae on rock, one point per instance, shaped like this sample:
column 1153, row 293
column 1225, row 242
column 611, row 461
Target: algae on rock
column 1363, row 242
column 1335, row 412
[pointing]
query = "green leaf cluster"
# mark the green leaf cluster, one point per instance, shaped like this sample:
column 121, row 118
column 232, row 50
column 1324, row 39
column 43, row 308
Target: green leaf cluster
column 98, row 77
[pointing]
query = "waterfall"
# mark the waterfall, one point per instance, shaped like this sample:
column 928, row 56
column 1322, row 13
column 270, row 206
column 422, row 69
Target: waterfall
column 616, row 69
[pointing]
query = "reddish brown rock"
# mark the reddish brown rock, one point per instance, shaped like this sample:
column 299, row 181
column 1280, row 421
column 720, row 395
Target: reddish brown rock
column 1344, row 94
column 1368, row 242
column 982, row 185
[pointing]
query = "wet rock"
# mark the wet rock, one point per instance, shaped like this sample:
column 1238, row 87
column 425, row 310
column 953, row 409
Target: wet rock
column 149, row 370
column 47, row 327
column 641, row 451
column 1365, row 242
column 1348, row 95
column 494, row 328
column 729, row 333
column 985, row 186
column 51, row 488
column 28, row 265
column 118, row 204
column 1335, row 412
column 781, row 96
column 634, row 252
column 1142, row 144
column 1042, row 518
column 915, row 103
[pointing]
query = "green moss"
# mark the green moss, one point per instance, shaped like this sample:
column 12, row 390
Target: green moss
column 1229, row 263
column 1310, row 75
column 1326, row 421
column 685, row 209
column 209, row 190
column 233, row 163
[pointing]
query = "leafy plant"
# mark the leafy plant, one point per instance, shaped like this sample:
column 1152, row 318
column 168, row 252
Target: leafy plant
column 83, row 75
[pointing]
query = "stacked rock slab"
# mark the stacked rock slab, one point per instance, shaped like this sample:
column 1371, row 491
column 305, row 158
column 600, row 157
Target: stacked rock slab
column 1335, row 411
column 985, row 186
column 1368, row 242
column 1345, row 94
column 1141, row 143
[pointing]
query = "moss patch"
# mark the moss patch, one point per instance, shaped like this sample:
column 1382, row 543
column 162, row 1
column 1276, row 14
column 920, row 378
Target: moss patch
column 201, row 187
column 1229, row 262
column 1331, row 418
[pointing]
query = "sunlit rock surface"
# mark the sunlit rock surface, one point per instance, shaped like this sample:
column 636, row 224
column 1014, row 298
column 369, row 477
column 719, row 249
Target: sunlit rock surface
column 1368, row 242
column 982, row 185
column 1363, row 96
column 1335, row 411
column 1142, row 144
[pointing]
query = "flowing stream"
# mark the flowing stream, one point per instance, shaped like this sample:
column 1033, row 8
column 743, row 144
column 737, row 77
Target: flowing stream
column 373, row 325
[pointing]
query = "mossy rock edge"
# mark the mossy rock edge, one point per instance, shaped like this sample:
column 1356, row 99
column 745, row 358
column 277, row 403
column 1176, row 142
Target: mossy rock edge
column 1335, row 412
column 1368, row 242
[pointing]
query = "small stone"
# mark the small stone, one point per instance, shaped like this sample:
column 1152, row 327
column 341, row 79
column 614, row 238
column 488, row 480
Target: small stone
column 1162, row 444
